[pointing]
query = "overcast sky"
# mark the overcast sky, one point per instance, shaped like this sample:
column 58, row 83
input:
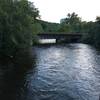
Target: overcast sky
column 54, row 10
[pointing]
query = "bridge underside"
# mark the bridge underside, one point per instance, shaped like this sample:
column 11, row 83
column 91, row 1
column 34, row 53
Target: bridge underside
column 66, row 38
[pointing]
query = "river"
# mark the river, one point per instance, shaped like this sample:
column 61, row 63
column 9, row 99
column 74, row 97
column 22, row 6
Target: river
column 59, row 72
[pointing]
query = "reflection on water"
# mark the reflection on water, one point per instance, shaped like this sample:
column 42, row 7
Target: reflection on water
column 67, row 72
column 44, row 41
column 62, row 72
column 12, row 75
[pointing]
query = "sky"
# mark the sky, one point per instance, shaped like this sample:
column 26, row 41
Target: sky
column 55, row 10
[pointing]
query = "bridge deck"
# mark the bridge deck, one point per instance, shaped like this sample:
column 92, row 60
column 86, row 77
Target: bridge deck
column 58, row 35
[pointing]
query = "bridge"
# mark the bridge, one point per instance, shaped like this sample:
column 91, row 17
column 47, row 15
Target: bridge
column 61, row 37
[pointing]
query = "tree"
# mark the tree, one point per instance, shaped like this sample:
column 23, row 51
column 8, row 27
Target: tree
column 65, row 28
column 72, row 19
column 72, row 23
column 16, row 25
column 97, row 32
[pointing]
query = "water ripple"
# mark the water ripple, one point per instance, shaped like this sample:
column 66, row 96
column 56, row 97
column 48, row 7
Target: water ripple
column 69, row 72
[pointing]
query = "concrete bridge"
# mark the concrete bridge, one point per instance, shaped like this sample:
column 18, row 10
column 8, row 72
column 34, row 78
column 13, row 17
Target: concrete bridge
column 61, row 37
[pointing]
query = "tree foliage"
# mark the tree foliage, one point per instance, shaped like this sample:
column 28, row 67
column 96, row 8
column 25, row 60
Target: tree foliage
column 48, row 26
column 16, row 25
column 97, row 32
column 72, row 23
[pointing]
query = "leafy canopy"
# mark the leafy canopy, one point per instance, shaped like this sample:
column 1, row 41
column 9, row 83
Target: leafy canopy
column 16, row 24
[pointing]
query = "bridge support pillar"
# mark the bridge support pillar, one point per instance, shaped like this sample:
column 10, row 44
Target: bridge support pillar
column 57, row 40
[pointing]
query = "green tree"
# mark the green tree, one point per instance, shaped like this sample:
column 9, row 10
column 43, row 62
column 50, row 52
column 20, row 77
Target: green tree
column 97, row 32
column 72, row 23
column 16, row 23
column 72, row 19
column 65, row 28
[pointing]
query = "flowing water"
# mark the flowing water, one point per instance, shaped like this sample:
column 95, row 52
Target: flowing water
column 60, row 72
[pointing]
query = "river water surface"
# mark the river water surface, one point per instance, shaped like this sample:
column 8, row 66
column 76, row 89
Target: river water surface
column 62, row 72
